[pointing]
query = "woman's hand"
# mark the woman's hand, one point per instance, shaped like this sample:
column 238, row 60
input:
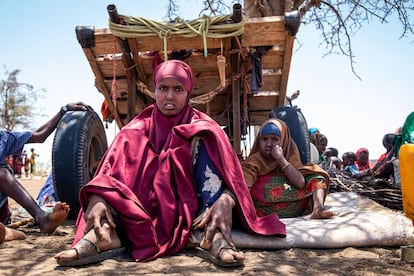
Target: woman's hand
column 97, row 211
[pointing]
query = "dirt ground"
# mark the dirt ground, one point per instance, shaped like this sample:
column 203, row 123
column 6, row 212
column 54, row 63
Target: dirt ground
column 34, row 256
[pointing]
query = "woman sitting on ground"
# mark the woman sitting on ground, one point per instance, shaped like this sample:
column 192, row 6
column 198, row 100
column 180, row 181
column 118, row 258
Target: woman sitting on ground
column 278, row 181
column 169, row 165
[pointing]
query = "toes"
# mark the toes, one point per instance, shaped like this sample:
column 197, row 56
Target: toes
column 67, row 255
column 230, row 255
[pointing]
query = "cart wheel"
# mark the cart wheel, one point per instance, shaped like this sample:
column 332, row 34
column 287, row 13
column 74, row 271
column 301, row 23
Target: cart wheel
column 78, row 146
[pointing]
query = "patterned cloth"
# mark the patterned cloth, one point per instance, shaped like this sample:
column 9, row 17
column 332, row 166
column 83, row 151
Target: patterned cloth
column 208, row 180
column 272, row 193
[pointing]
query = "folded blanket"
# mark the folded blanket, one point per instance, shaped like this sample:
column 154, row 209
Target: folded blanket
column 359, row 222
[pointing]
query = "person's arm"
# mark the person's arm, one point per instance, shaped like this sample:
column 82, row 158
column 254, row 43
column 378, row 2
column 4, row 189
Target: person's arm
column 41, row 134
column 294, row 175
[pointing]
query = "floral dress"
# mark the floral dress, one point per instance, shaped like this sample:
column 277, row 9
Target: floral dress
column 272, row 193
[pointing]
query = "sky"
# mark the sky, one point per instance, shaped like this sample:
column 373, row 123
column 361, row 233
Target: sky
column 38, row 38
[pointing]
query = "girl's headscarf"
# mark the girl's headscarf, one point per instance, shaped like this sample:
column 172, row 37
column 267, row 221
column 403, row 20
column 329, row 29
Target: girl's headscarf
column 162, row 125
column 361, row 150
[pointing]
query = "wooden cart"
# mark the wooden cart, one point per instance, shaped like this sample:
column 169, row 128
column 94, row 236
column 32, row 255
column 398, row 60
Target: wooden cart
column 123, row 68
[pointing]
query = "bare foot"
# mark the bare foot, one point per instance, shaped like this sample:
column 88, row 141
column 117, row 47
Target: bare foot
column 112, row 242
column 321, row 214
column 229, row 256
column 9, row 234
column 220, row 249
column 52, row 220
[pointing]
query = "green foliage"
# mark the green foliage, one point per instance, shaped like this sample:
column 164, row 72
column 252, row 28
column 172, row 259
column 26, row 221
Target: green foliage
column 17, row 101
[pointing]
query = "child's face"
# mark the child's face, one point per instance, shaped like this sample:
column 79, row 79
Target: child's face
column 363, row 158
column 346, row 160
column 322, row 146
column 267, row 143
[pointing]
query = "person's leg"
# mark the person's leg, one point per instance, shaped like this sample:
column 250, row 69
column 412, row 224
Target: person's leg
column 47, row 222
column 9, row 234
column 318, row 211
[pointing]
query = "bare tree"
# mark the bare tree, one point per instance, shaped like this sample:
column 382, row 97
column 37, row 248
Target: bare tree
column 336, row 20
column 16, row 101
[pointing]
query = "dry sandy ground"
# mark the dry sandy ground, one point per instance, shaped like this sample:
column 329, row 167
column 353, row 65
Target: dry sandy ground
column 34, row 256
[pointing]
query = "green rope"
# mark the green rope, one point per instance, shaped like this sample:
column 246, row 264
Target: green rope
column 205, row 26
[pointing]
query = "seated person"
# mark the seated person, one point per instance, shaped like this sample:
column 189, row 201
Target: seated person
column 388, row 143
column 278, row 181
column 12, row 143
column 170, row 165
column 320, row 141
column 383, row 168
column 332, row 159
column 348, row 163
column 362, row 161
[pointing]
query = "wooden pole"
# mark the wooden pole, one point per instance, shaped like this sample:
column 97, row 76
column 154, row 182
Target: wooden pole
column 128, row 62
column 235, row 60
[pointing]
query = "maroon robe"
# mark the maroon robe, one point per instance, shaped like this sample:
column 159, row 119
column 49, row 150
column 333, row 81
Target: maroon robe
column 153, row 190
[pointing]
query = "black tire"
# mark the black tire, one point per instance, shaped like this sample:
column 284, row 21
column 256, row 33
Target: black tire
column 78, row 146
column 298, row 128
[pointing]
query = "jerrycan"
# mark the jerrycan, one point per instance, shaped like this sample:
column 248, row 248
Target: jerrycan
column 407, row 179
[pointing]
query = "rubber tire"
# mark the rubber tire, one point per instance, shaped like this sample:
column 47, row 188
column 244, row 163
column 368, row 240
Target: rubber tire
column 298, row 128
column 78, row 146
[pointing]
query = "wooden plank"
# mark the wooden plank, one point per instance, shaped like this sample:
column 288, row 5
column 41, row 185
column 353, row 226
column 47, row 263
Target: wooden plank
column 257, row 32
column 205, row 82
column 271, row 82
column 262, row 31
column 273, row 60
column 286, row 68
column 257, row 117
column 262, row 103
column 100, row 82
column 200, row 64
column 107, row 68
column 105, row 43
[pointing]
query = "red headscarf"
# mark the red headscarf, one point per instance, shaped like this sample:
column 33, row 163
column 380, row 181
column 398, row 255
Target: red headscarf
column 177, row 69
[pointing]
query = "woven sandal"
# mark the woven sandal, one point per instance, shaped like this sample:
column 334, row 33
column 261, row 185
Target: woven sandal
column 213, row 254
column 88, row 253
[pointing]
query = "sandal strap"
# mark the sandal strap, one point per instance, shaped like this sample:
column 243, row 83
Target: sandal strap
column 86, row 248
column 218, row 245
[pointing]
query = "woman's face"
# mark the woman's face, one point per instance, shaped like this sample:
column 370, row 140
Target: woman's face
column 267, row 142
column 170, row 96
